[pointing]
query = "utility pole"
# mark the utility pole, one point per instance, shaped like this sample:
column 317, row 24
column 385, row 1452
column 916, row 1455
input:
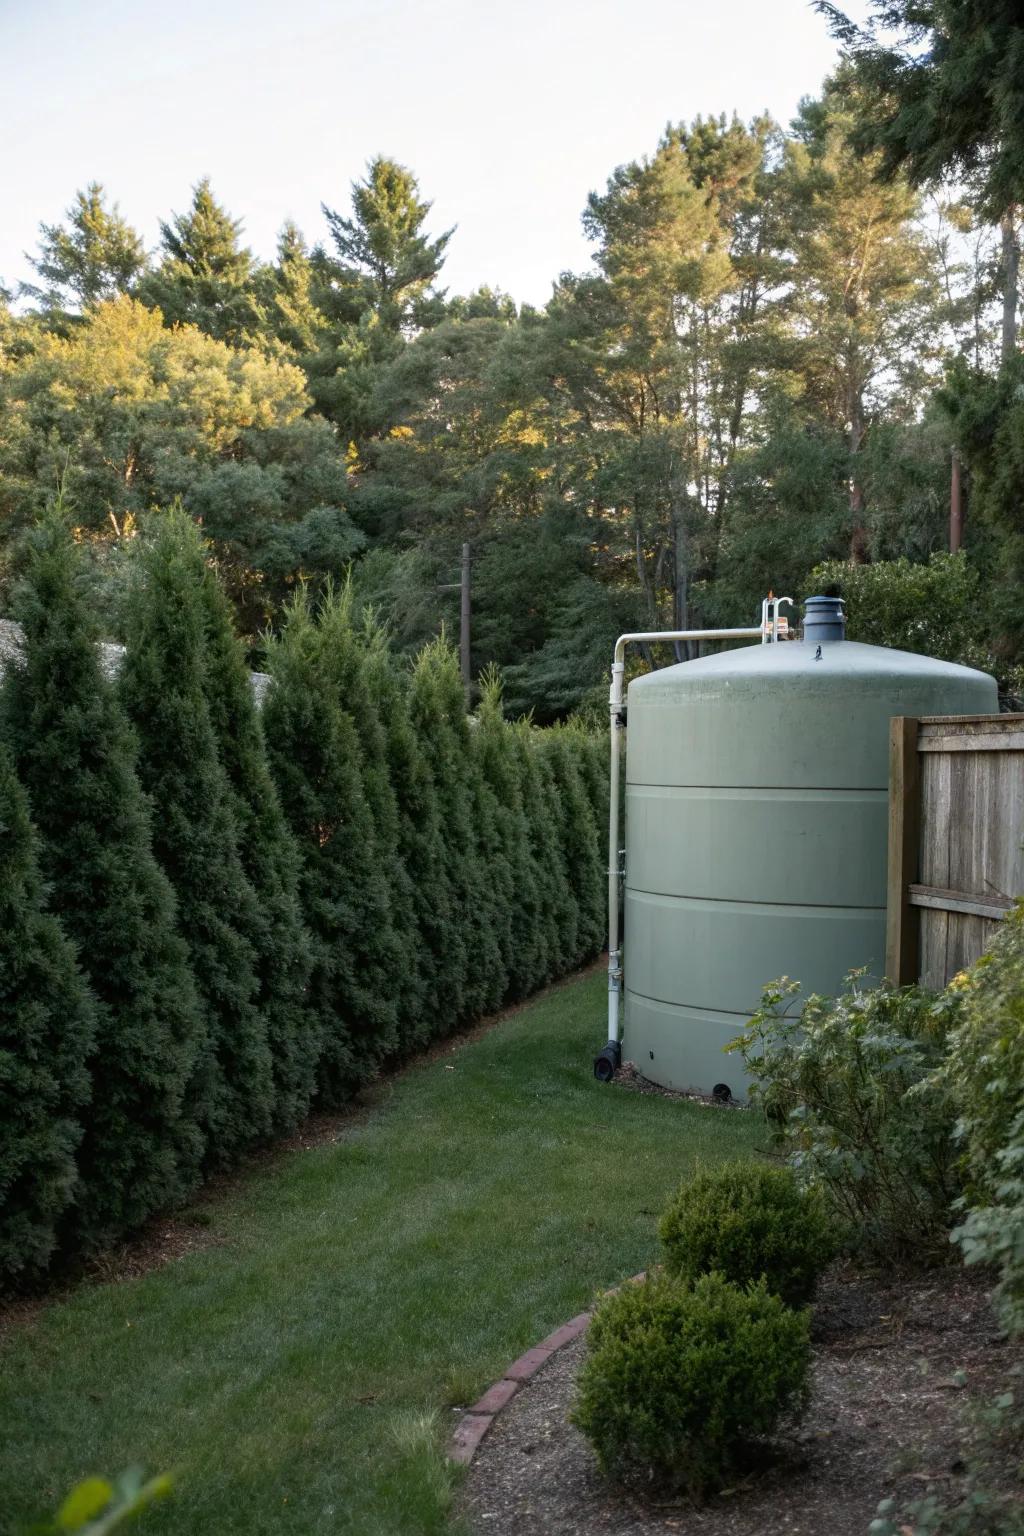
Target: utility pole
column 956, row 506
column 462, row 587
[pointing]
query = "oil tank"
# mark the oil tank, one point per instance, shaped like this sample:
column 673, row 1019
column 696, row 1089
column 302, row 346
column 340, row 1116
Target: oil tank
column 756, row 828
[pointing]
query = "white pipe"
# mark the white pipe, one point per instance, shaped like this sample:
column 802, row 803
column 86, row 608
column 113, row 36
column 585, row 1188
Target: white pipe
column 615, row 701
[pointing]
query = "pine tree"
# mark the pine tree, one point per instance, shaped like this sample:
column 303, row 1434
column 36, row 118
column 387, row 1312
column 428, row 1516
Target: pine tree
column 206, row 275
column 382, row 249
column 270, row 860
column 46, row 1037
column 96, row 256
column 75, row 755
column 163, row 686
column 317, row 764
column 346, row 659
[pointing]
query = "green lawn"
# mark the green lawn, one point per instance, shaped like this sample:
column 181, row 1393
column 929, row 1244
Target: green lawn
column 297, row 1375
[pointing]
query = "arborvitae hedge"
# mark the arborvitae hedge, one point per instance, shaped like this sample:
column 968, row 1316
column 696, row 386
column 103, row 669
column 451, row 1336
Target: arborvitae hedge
column 316, row 760
column 270, row 858
column 347, row 664
column 434, row 938
column 500, row 763
column 163, row 685
column 270, row 910
column 439, row 718
column 47, row 1030
column 75, row 755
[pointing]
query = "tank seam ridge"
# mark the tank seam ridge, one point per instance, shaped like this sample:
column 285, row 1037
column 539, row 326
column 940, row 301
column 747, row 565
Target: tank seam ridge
column 735, row 901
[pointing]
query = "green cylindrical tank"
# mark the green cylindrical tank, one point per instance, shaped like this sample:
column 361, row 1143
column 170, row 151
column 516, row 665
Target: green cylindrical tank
column 756, row 827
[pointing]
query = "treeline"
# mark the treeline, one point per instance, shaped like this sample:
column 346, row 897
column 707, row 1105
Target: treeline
column 213, row 916
column 784, row 333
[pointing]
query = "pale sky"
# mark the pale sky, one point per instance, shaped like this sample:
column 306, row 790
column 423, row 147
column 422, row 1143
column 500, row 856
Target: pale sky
column 508, row 114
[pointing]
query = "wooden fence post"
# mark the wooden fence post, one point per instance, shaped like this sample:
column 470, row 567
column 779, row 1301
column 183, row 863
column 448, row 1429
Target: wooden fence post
column 902, row 922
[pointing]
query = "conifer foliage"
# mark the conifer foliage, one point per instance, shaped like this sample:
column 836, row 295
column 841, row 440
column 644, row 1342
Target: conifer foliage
column 195, row 836
column 75, row 756
column 46, row 1036
column 225, row 912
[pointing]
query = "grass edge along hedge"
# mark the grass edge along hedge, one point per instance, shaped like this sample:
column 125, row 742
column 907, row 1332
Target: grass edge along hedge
column 272, row 853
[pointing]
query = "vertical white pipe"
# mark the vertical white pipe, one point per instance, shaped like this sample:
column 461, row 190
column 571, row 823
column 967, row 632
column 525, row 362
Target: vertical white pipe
column 615, row 733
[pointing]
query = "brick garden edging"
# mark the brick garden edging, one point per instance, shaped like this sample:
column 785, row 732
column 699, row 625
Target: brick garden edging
column 476, row 1421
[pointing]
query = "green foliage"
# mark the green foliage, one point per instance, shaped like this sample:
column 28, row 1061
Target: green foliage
column 851, row 1084
column 943, row 92
column 579, row 839
column 76, row 757
column 382, row 249
column 749, row 1221
column 270, row 860
column 985, row 1073
column 47, row 1030
column 195, row 836
column 317, row 764
column 96, row 1506
column 681, row 1380
column 932, row 609
column 474, row 973
column 96, row 256
column 205, row 277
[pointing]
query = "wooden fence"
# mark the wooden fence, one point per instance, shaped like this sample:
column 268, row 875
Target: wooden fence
column 956, row 832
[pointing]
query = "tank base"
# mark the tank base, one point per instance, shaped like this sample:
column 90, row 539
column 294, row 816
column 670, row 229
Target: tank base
column 684, row 1048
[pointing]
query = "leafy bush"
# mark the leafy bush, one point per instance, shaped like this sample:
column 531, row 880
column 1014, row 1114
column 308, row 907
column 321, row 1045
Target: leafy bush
column 985, row 1072
column 679, row 1380
column 749, row 1221
column 932, row 609
column 851, row 1084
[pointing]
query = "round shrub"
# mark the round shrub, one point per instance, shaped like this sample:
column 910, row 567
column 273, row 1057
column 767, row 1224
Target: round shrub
column 679, row 1380
column 747, row 1220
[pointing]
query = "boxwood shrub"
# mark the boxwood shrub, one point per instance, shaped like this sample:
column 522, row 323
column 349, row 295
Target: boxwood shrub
column 750, row 1220
column 681, row 1380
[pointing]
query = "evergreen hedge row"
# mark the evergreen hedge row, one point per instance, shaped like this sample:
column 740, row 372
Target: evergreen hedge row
column 216, row 916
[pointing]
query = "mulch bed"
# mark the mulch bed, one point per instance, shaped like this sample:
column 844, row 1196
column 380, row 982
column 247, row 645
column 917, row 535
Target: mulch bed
column 627, row 1076
column 898, row 1362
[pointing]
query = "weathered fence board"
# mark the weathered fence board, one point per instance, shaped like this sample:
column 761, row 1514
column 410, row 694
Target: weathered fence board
column 956, row 834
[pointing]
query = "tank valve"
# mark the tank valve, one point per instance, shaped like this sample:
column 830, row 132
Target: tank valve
column 722, row 1093
column 608, row 1062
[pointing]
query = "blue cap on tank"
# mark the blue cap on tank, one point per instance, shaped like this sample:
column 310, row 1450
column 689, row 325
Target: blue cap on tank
column 823, row 620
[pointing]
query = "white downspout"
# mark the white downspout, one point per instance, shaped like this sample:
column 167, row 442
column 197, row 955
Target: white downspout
column 766, row 632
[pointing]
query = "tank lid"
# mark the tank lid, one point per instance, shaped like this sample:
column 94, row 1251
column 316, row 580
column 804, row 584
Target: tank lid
column 823, row 620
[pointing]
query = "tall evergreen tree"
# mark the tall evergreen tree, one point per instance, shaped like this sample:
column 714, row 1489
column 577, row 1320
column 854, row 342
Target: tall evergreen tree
column 559, row 913
column 206, row 275
column 434, row 936
column 270, row 860
column 195, row 837
column 46, row 1038
column 317, row 763
column 75, row 756
column 438, row 711
column 579, row 837
column 495, row 746
column 346, row 662
column 95, row 256
column 943, row 84
column 383, row 250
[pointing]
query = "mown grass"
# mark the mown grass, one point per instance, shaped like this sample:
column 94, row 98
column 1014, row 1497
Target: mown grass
column 298, row 1374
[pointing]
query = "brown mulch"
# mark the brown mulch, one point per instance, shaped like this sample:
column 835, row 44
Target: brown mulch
column 890, row 1416
column 627, row 1076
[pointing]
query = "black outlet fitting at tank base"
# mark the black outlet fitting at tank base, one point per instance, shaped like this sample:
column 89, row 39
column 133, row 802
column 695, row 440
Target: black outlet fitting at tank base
column 608, row 1062
column 824, row 619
